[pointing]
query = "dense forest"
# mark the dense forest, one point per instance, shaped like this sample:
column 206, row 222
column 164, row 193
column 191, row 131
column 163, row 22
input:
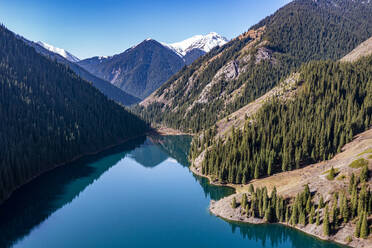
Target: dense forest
column 353, row 205
column 49, row 115
column 301, row 31
column 333, row 103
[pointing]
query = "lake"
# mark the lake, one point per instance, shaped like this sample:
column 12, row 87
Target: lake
column 140, row 194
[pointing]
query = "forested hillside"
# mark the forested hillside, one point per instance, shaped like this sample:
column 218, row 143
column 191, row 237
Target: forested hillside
column 230, row 77
column 109, row 90
column 334, row 102
column 49, row 115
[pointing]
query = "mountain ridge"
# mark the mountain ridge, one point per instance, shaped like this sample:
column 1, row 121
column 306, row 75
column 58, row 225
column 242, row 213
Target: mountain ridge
column 144, row 67
column 105, row 87
column 60, row 51
column 229, row 77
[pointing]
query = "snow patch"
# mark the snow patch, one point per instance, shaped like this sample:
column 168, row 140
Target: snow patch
column 59, row 51
column 202, row 42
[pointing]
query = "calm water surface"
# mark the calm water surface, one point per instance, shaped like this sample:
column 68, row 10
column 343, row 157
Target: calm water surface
column 141, row 194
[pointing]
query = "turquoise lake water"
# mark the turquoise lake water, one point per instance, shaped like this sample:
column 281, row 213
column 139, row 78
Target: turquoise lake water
column 140, row 194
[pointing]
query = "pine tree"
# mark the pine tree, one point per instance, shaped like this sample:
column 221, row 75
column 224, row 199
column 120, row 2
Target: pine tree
column 251, row 188
column 321, row 202
column 332, row 174
column 326, row 228
column 244, row 201
column 233, row 202
column 364, row 174
column 287, row 214
column 302, row 218
column 345, row 210
column 294, row 217
column 268, row 214
column 357, row 228
column 351, row 182
column 364, row 227
column 318, row 217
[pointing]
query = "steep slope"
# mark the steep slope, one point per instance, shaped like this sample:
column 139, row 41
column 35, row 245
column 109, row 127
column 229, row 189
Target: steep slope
column 105, row 87
column 59, row 51
column 230, row 77
column 333, row 103
column 143, row 68
column 363, row 49
column 290, row 184
column 139, row 70
column 50, row 115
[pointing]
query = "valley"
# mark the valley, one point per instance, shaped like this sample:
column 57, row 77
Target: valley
column 262, row 139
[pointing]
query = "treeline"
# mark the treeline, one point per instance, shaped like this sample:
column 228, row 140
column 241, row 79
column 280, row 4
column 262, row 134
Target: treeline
column 49, row 115
column 333, row 104
column 354, row 205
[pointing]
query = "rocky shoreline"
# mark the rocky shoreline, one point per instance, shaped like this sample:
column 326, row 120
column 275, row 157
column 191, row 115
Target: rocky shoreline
column 313, row 175
column 223, row 209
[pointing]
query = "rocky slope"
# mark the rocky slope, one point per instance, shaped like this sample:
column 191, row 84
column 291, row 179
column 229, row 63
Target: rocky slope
column 230, row 77
column 143, row 68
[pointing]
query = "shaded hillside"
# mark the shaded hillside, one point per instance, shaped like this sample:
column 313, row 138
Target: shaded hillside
column 105, row 87
column 139, row 70
column 50, row 115
column 230, row 77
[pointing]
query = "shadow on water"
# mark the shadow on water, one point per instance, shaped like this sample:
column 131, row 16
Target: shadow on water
column 275, row 235
column 212, row 191
column 31, row 205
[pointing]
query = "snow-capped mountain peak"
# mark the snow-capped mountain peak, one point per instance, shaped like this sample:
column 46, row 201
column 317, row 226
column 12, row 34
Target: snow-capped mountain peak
column 59, row 51
column 202, row 42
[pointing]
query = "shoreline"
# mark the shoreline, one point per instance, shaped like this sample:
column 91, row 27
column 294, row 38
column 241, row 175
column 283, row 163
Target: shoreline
column 218, row 208
column 72, row 160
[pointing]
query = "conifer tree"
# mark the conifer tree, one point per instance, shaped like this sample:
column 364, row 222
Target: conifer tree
column 364, row 226
column 318, row 217
column 321, row 202
column 287, row 214
column 294, row 217
column 364, row 174
column 351, row 182
column 302, row 218
column 326, row 229
column 251, row 188
column 357, row 228
column 244, row 201
column 233, row 202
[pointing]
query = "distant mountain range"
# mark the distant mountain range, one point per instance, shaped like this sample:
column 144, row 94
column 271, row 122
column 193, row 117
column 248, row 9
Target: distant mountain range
column 139, row 70
column 68, row 59
column 143, row 68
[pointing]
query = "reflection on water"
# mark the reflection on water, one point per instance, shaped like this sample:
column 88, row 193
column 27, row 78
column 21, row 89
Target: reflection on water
column 211, row 191
column 276, row 235
column 35, row 202
column 141, row 214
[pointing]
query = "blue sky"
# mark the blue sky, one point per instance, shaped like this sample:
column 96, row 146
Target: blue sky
column 106, row 27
